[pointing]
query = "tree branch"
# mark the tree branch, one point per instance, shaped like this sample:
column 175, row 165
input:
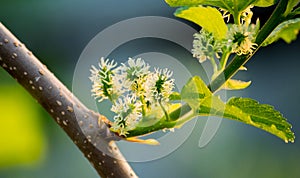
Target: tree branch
column 96, row 142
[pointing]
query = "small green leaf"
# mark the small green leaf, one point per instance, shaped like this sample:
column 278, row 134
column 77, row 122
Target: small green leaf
column 233, row 84
column 265, row 117
column 243, row 68
column 265, row 3
column 194, row 91
column 147, row 141
column 290, row 6
column 296, row 11
column 287, row 30
column 207, row 17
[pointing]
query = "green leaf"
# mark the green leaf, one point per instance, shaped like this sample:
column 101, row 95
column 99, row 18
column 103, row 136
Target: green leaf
column 290, row 6
column 233, row 84
column 249, row 111
column 194, row 91
column 212, row 105
column 287, row 30
column 233, row 6
column 265, row 3
column 230, row 5
column 265, row 117
column 207, row 17
column 297, row 11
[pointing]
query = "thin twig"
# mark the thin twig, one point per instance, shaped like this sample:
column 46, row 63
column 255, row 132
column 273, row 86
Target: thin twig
column 95, row 141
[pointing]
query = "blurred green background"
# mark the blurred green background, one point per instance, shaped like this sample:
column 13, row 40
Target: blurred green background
column 32, row 145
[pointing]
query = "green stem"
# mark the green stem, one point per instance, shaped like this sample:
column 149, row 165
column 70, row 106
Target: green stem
column 238, row 61
column 237, row 18
column 165, row 111
column 214, row 64
column 176, row 118
column 186, row 117
column 275, row 19
column 143, row 105
column 224, row 60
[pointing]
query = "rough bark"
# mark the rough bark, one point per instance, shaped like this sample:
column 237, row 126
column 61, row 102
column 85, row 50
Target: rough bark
column 69, row 113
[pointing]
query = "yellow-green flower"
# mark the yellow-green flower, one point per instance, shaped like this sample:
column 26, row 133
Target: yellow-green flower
column 241, row 39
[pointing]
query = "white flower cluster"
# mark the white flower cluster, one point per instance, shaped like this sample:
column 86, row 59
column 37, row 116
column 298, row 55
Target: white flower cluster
column 103, row 87
column 133, row 89
column 239, row 39
column 128, row 113
column 159, row 86
column 205, row 46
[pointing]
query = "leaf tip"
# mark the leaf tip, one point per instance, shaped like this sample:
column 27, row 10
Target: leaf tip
column 148, row 141
column 179, row 11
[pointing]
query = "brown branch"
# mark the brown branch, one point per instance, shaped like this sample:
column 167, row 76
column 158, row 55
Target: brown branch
column 95, row 140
